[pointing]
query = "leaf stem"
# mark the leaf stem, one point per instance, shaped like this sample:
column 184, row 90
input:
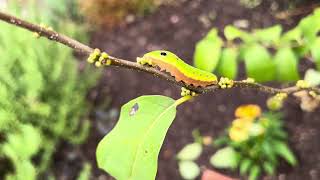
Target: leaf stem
column 182, row 100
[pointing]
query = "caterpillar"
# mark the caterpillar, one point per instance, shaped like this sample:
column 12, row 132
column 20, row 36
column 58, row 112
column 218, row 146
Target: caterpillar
column 176, row 67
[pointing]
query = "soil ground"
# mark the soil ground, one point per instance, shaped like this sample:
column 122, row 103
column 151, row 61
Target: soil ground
column 178, row 29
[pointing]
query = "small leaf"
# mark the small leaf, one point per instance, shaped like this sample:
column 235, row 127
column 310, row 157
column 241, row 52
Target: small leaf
column 231, row 33
column 189, row 169
column 268, row 151
column 254, row 172
column 130, row 150
column 15, row 147
column 292, row 35
column 312, row 77
column 245, row 165
column 190, row 152
column 269, row 35
column 284, row 151
column 259, row 64
column 315, row 52
column 286, row 65
column 225, row 158
column 305, row 24
column 268, row 167
column 228, row 66
column 207, row 53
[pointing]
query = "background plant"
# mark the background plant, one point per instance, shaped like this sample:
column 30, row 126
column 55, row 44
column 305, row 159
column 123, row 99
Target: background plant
column 43, row 92
column 254, row 143
column 263, row 50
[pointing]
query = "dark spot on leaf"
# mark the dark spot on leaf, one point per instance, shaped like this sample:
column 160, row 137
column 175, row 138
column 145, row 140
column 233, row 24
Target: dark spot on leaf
column 134, row 109
column 163, row 53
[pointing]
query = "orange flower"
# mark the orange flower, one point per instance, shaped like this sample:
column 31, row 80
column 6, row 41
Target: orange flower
column 250, row 111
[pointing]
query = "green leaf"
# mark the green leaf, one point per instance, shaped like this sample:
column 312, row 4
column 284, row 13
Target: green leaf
column 315, row 52
column 259, row 64
column 15, row 147
column 310, row 26
column 228, row 66
column 24, row 170
column 268, row 150
column 231, row 33
column 286, row 65
column 85, row 172
column 268, row 167
column 292, row 35
column 207, row 53
column 284, row 151
column 245, row 165
column 190, row 152
column 254, row 172
column 268, row 35
column 225, row 158
column 189, row 169
column 312, row 77
column 130, row 150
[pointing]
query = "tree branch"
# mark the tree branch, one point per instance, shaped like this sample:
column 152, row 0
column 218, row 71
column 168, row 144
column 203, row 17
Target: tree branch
column 84, row 49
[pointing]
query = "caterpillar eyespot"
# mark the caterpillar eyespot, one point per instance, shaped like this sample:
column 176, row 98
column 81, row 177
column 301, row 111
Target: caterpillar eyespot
column 171, row 63
column 163, row 53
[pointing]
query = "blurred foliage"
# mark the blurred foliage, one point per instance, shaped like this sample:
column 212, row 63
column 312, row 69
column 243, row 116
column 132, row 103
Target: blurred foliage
column 269, row 54
column 254, row 143
column 42, row 92
column 108, row 13
column 186, row 159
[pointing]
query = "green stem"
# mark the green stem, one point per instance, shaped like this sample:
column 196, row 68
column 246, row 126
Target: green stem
column 182, row 100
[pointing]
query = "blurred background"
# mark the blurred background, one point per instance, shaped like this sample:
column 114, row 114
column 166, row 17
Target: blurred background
column 55, row 108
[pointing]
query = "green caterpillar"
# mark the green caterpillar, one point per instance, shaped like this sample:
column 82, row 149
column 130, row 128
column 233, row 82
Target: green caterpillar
column 171, row 63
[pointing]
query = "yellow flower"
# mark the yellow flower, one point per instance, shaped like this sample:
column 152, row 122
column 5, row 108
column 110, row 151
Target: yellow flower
column 250, row 111
column 238, row 134
column 239, row 130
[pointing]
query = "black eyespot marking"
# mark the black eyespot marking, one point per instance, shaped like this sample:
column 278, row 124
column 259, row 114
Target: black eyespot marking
column 163, row 53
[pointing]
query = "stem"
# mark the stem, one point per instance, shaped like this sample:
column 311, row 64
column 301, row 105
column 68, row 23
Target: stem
column 182, row 100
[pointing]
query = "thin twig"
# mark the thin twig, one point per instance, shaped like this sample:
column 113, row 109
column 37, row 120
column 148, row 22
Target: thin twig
column 84, row 49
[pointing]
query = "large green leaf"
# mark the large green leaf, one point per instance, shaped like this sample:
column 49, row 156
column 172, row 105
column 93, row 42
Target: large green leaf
column 207, row 52
column 130, row 151
column 259, row 64
column 228, row 66
column 286, row 65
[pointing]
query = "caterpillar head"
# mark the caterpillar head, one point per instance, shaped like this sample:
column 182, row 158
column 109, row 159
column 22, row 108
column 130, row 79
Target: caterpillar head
column 162, row 55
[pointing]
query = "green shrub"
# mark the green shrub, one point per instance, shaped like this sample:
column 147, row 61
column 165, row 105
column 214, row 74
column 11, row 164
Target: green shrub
column 42, row 95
